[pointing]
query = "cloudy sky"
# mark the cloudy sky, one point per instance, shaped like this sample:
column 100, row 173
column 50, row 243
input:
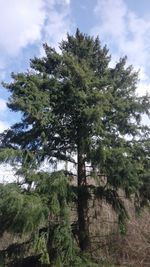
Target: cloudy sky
column 124, row 25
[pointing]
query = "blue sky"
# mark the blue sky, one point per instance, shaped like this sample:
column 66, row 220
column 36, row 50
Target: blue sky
column 124, row 25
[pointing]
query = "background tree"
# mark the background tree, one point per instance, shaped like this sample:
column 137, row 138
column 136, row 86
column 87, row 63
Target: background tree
column 74, row 104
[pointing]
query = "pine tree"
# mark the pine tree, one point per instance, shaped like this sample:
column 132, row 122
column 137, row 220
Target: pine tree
column 74, row 103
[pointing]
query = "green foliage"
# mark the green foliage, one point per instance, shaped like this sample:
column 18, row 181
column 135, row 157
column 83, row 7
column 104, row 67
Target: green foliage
column 20, row 212
column 43, row 213
column 40, row 246
column 60, row 241
column 73, row 103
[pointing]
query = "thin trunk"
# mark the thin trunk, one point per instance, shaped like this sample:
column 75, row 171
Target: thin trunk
column 82, row 203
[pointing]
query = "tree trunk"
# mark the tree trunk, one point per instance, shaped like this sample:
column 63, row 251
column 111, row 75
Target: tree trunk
column 83, row 225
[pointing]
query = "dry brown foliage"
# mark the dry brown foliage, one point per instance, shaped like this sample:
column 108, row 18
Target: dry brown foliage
column 133, row 249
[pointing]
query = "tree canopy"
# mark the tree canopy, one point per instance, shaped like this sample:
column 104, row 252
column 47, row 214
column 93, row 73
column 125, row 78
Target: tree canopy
column 74, row 104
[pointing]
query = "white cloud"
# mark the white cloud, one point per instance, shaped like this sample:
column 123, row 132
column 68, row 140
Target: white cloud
column 7, row 173
column 3, row 126
column 125, row 32
column 3, row 106
column 112, row 15
column 58, row 21
column 21, row 24
column 67, row 2
column 143, row 87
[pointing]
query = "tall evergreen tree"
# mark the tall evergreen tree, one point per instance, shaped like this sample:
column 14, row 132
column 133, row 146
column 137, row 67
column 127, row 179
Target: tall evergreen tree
column 73, row 103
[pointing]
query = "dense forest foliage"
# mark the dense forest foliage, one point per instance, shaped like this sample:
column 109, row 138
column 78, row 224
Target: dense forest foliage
column 75, row 107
